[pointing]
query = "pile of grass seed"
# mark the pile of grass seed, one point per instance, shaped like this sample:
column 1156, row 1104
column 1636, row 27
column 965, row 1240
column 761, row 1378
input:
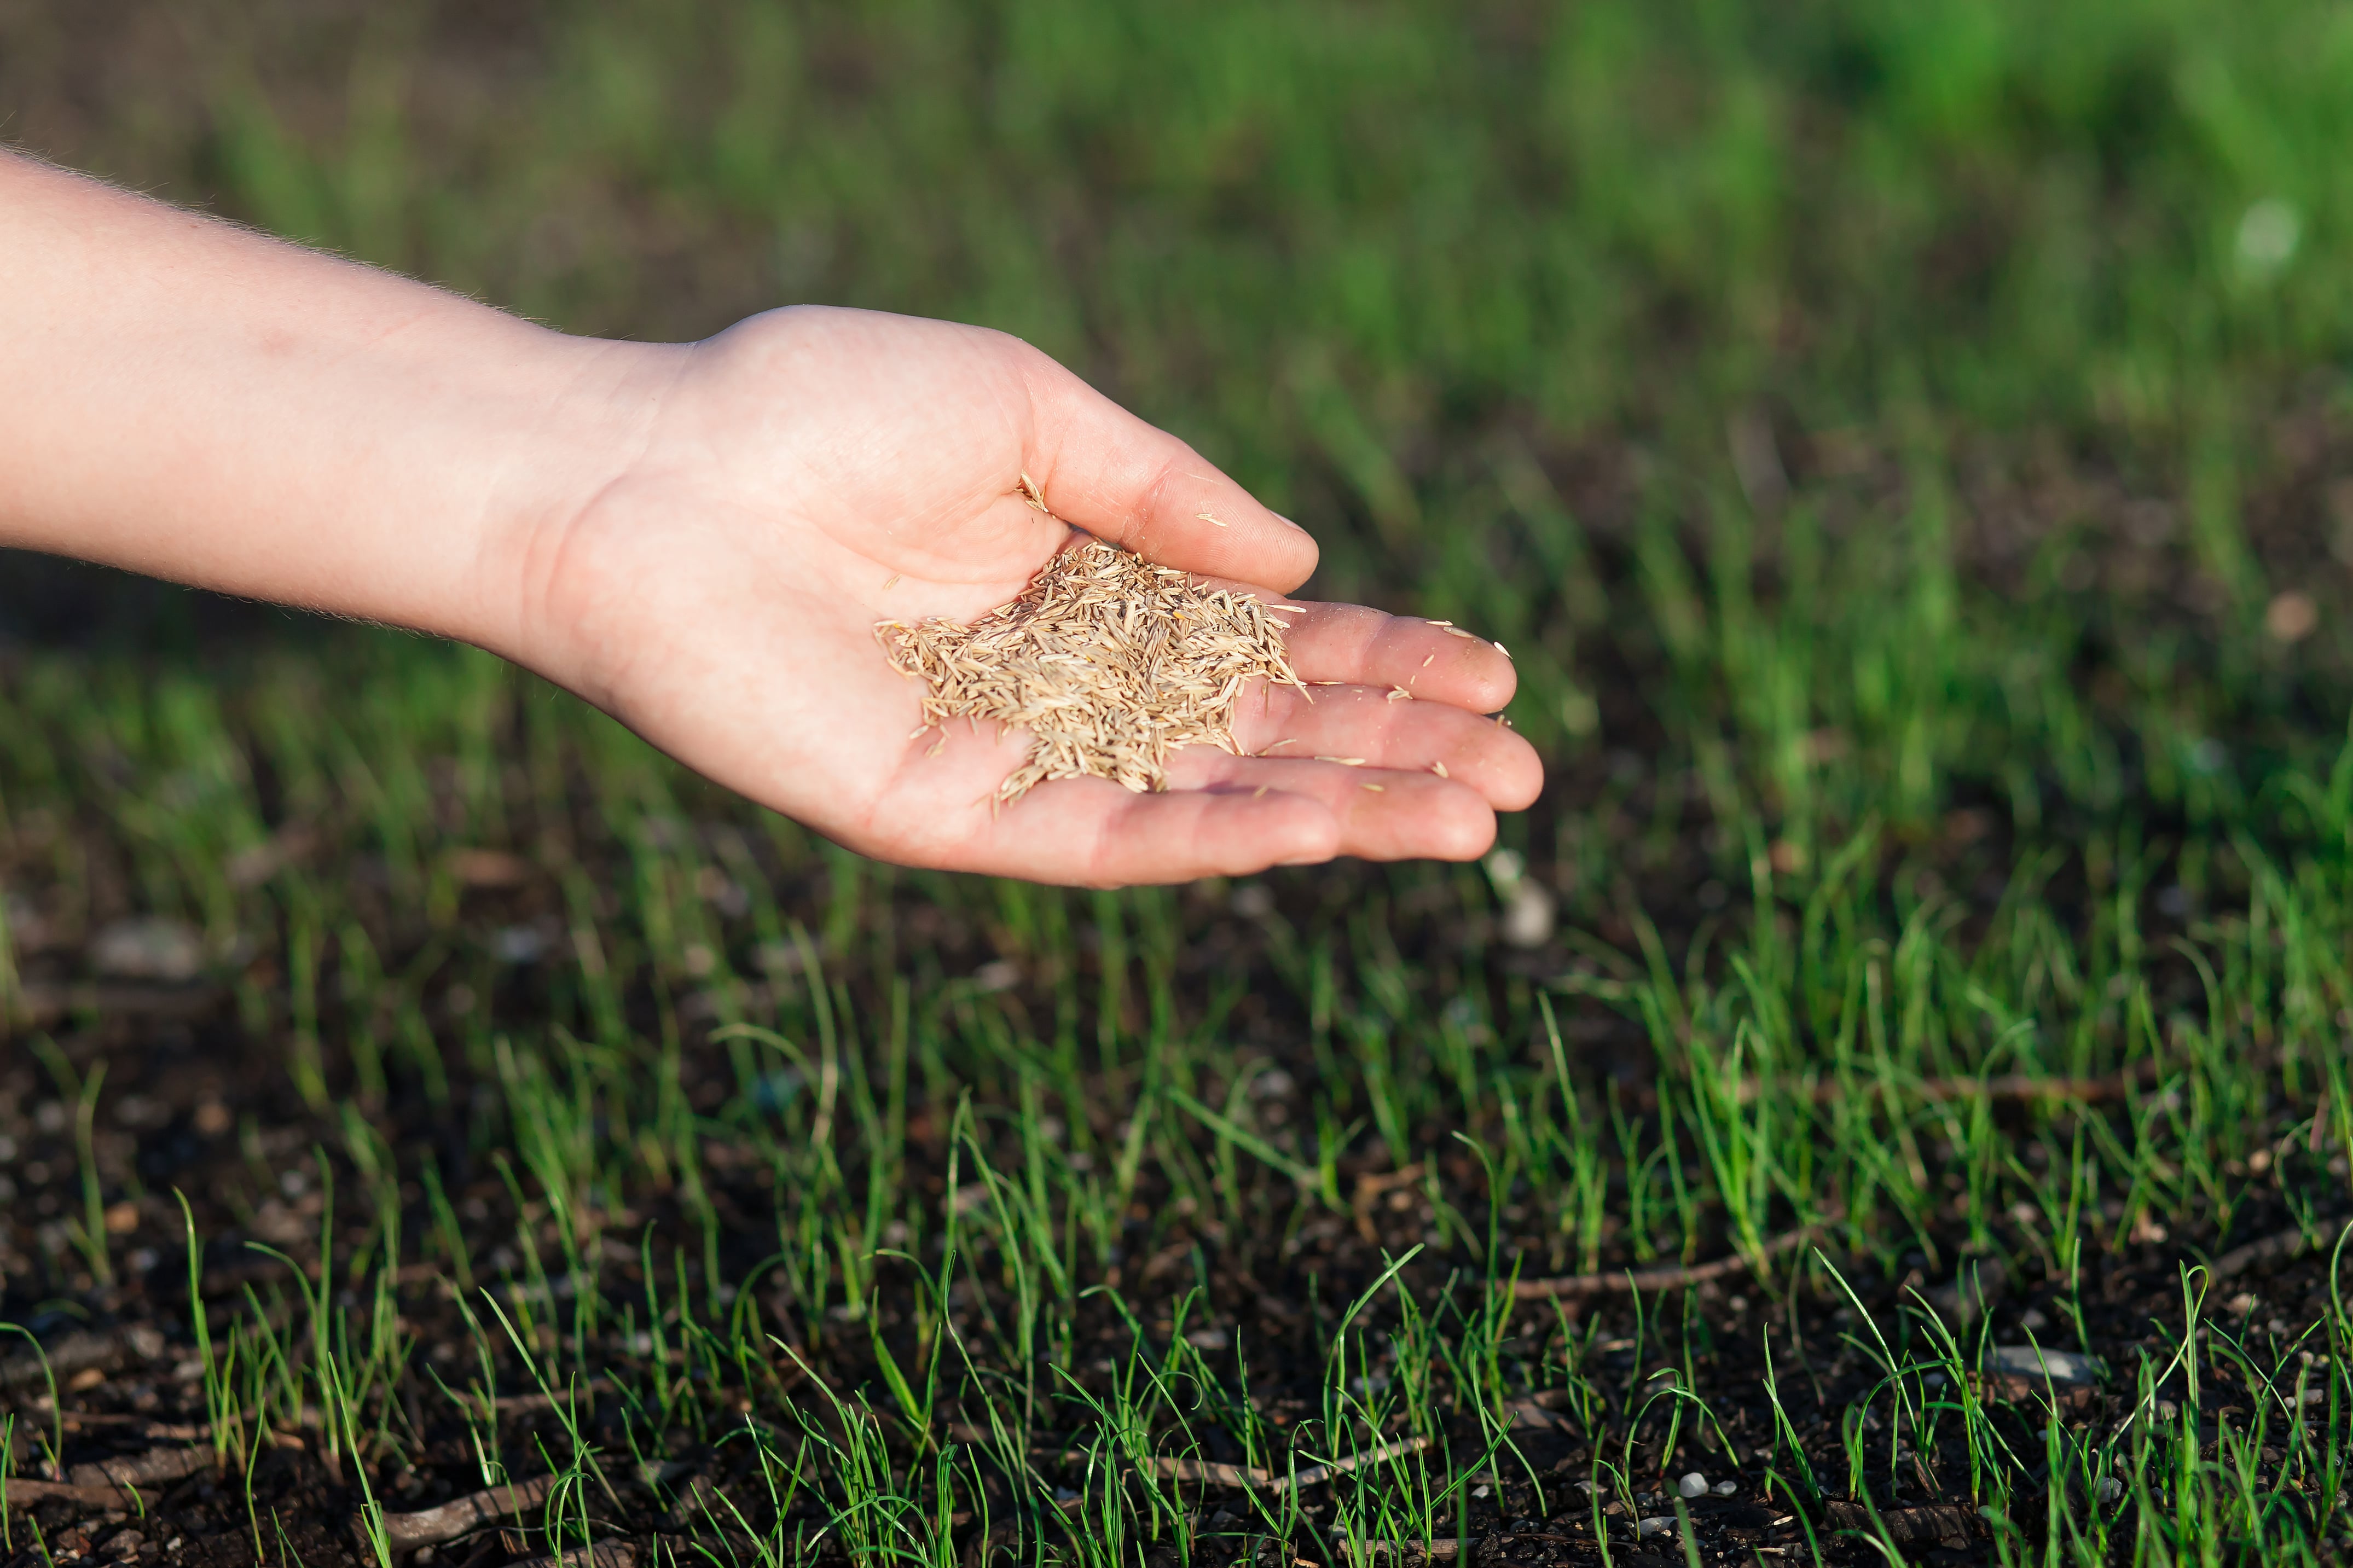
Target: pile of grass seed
column 1110, row 662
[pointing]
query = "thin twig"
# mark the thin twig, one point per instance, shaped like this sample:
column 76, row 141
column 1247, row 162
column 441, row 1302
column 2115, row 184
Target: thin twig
column 1215, row 1474
column 431, row 1526
column 1626, row 1279
column 2277, row 1249
column 24, row 1492
column 39, row 1004
column 140, row 1469
column 1316, row 1473
column 604, row 1554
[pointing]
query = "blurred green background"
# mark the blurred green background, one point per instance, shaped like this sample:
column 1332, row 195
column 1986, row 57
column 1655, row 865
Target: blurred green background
column 1757, row 369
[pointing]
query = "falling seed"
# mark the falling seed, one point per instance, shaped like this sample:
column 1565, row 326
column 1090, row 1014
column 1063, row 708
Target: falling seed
column 1440, row 769
column 1107, row 661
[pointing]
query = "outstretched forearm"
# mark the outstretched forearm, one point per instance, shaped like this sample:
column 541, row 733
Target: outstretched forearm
column 197, row 402
column 701, row 539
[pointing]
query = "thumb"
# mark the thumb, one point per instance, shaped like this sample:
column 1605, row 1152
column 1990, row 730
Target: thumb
column 1100, row 469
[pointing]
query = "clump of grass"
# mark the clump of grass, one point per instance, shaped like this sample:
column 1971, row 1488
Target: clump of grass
column 1112, row 663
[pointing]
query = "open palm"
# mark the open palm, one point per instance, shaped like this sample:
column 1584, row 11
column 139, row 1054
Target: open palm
column 811, row 471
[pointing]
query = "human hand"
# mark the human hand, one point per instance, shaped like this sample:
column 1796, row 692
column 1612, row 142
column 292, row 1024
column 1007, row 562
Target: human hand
column 811, row 471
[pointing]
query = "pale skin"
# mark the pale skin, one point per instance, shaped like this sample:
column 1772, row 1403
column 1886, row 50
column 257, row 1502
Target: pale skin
column 699, row 537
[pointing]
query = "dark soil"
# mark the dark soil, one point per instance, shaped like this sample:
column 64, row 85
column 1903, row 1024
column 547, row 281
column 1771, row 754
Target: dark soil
column 193, row 1102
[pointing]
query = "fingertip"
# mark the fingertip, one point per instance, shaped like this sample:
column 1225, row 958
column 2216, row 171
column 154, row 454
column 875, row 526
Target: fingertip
column 1471, row 835
column 1460, row 828
column 1297, row 549
column 1292, row 830
column 1490, row 680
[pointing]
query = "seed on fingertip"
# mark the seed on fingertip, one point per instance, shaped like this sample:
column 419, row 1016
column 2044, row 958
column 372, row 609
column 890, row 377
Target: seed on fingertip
column 1375, row 788
column 892, row 582
column 1400, row 694
column 1343, row 761
column 1456, row 632
column 1205, row 517
column 1258, row 791
column 1440, row 769
column 1429, row 659
column 1502, row 649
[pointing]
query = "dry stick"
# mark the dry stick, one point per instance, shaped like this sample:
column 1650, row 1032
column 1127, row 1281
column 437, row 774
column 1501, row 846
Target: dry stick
column 139, row 1469
column 40, row 1004
column 113, row 1483
column 1658, row 1279
column 431, row 1526
column 23, row 1493
column 78, row 1350
column 2007, row 1086
column 1918, row 1522
column 2270, row 1249
column 517, row 1404
column 604, row 1554
column 1169, row 1469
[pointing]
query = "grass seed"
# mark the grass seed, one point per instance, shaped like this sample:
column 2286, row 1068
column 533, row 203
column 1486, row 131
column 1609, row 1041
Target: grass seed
column 1110, row 662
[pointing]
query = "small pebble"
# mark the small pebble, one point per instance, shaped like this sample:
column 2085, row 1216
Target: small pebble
column 1657, row 1525
column 1725, row 1488
column 1693, row 1485
column 2110, row 1488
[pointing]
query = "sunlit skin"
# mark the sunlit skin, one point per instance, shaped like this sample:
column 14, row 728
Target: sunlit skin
column 700, row 538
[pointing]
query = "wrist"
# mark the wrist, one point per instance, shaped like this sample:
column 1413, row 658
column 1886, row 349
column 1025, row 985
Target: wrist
column 572, row 418
column 543, row 571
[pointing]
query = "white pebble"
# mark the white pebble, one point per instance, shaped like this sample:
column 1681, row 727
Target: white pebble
column 1693, row 1485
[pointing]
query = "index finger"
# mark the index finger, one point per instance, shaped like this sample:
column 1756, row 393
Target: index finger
column 1433, row 661
column 1354, row 645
